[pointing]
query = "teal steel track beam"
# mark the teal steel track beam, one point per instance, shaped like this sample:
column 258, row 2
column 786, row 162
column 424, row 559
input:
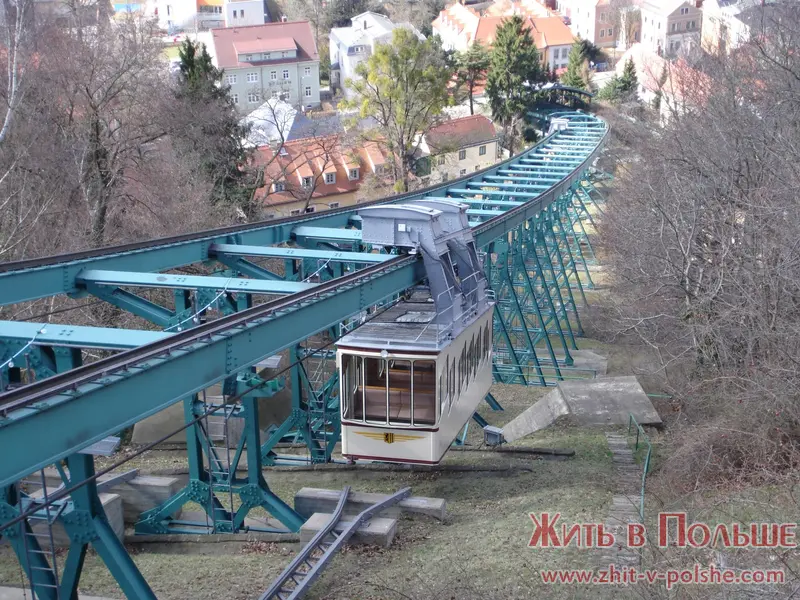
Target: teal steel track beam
column 299, row 253
column 50, row 334
column 64, row 423
column 94, row 277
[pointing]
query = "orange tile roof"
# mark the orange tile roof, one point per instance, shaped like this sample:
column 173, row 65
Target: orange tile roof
column 313, row 157
column 550, row 31
column 459, row 133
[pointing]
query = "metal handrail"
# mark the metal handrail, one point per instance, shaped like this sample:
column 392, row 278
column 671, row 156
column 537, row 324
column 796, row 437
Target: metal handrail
column 641, row 434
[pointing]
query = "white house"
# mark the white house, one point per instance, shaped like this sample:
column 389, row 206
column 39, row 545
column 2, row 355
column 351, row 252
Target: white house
column 239, row 13
column 726, row 23
column 671, row 26
column 352, row 45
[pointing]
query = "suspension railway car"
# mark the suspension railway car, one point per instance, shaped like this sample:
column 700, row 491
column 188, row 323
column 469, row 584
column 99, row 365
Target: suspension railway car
column 412, row 376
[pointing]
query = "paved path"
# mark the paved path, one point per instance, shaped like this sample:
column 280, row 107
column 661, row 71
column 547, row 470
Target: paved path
column 625, row 504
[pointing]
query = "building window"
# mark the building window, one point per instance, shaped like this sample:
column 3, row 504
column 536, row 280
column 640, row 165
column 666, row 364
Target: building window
column 691, row 25
column 333, row 205
column 230, row 79
column 269, row 216
column 685, row 11
column 462, row 154
column 602, row 33
column 252, row 98
column 273, row 76
column 674, row 27
column 477, row 167
column 308, row 91
column 275, row 94
column 610, row 32
column 482, row 150
column 279, row 186
column 354, row 173
column 252, row 78
column 286, row 73
column 294, row 213
column 440, row 160
column 241, row 13
column 235, row 98
column 306, row 182
column 248, row 57
column 307, row 71
column 462, row 172
column 234, row 14
column 330, row 177
column 310, row 209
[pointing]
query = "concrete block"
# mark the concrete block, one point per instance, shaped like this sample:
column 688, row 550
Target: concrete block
column 313, row 500
column 608, row 401
column 138, row 495
column 112, row 505
column 145, row 492
column 538, row 416
column 378, row 531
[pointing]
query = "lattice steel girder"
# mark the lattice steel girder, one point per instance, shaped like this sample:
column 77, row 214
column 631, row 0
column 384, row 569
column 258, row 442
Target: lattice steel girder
column 493, row 193
column 190, row 282
column 305, row 232
column 298, row 253
column 64, row 423
column 107, row 338
column 516, row 176
column 527, row 169
column 487, row 202
column 513, row 186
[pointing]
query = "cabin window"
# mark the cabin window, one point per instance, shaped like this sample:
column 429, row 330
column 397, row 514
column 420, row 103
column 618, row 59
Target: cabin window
column 376, row 386
column 424, row 392
column 389, row 391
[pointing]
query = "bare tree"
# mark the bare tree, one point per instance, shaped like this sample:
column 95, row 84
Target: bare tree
column 703, row 237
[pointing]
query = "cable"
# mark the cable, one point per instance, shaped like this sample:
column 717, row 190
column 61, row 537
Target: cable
column 60, row 310
column 66, row 491
column 318, row 271
column 217, row 297
column 42, row 329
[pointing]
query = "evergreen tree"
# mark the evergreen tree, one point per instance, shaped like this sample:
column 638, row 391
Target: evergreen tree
column 574, row 74
column 629, row 82
column 471, row 67
column 216, row 145
column 514, row 67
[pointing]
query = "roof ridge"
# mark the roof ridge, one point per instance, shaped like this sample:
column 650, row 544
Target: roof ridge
column 260, row 25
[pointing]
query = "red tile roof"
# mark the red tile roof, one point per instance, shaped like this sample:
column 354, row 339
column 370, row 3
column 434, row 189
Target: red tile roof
column 313, row 157
column 550, row 31
column 231, row 41
column 460, row 133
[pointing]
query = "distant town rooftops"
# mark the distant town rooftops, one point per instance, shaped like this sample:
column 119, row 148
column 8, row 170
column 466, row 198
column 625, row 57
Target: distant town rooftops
column 231, row 42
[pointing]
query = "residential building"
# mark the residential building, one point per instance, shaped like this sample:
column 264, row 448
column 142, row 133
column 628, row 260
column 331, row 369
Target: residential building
column 352, row 45
column 671, row 27
column 316, row 173
column 239, row 13
column 274, row 60
column 592, row 20
column 669, row 86
column 456, row 148
column 727, row 23
column 459, row 27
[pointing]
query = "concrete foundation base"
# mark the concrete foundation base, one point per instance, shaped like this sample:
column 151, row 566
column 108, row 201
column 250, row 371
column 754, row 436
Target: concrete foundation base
column 378, row 531
column 138, row 495
column 112, row 505
column 608, row 401
column 602, row 401
column 316, row 500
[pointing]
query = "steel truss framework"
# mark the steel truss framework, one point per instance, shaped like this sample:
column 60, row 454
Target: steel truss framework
column 529, row 215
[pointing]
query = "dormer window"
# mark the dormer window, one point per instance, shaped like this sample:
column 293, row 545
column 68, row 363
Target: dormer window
column 354, row 174
column 278, row 186
column 306, row 182
column 330, row 178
